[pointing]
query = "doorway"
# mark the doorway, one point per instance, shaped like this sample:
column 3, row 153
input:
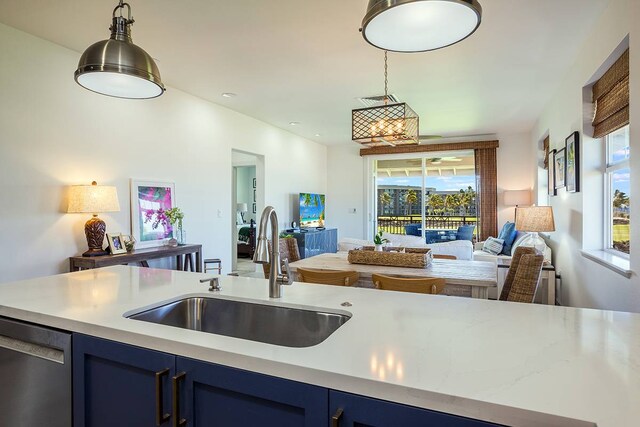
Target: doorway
column 246, row 205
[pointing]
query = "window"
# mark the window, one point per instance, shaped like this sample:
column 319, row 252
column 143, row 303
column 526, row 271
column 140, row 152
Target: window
column 617, row 186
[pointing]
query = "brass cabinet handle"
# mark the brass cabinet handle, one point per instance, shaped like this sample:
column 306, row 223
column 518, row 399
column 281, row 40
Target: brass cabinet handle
column 335, row 419
column 177, row 421
column 161, row 417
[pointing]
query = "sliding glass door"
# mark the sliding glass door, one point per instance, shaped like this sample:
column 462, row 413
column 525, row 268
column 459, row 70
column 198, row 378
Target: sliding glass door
column 429, row 195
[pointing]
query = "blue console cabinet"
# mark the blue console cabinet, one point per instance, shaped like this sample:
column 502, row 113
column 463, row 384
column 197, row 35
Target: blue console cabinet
column 120, row 385
column 315, row 242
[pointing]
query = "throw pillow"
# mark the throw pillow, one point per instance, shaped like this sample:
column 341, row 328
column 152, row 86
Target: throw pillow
column 493, row 246
column 508, row 234
column 465, row 232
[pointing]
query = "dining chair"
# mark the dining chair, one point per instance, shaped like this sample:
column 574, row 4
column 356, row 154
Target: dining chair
column 288, row 249
column 328, row 277
column 445, row 257
column 422, row 285
column 523, row 275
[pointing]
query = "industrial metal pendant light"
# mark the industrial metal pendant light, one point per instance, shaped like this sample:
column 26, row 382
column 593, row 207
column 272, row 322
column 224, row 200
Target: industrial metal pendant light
column 117, row 67
column 387, row 124
column 419, row 25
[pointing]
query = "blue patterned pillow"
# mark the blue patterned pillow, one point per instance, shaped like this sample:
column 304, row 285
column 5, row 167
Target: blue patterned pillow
column 508, row 234
column 493, row 245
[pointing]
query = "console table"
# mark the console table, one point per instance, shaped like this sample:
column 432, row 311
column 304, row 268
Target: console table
column 314, row 242
column 143, row 255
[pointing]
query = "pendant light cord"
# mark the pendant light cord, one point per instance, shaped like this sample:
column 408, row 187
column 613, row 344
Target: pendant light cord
column 386, row 80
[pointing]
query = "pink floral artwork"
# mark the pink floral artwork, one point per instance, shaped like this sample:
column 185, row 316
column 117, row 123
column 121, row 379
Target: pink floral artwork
column 153, row 201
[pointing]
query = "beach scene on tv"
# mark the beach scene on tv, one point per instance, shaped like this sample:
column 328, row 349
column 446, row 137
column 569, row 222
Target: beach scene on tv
column 311, row 210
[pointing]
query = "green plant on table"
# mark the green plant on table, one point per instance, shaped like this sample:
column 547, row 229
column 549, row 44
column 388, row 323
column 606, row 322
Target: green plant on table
column 175, row 215
column 378, row 239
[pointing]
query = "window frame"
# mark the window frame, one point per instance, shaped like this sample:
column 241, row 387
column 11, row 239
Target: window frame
column 609, row 170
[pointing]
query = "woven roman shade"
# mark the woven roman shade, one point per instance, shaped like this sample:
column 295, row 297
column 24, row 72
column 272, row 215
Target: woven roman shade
column 487, row 192
column 611, row 98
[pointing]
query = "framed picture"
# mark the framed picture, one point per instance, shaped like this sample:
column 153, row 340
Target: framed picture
column 116, row 244
column 551, row 177
column 254, row 195
column 572, row 150
column 559, row 167
column 254, row 208
column 254, row 183
column 149, row 199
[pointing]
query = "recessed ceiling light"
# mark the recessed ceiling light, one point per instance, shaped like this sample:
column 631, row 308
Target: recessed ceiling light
column 318, row 135
column 294, row 123
column 229, row 95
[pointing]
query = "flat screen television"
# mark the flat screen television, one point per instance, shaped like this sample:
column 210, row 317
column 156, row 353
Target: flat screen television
column 311, row 210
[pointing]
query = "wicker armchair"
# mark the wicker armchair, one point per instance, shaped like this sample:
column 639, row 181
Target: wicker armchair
column 288, row 249
column 523, row 276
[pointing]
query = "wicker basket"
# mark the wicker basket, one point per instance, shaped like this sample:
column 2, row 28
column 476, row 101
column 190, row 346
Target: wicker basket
column 398, row 249
column 391, row 259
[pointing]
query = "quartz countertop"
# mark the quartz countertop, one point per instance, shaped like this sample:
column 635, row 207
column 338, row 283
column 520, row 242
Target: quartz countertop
column 508, row 363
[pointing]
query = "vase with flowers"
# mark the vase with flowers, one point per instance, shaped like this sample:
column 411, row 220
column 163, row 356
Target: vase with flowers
column 175, row 217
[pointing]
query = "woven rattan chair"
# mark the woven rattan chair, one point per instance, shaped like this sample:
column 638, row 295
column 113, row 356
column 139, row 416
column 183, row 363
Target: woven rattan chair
column 523, row 275
column 426, row 285
column 328, row 277
column 445, row 257
column 288, row 249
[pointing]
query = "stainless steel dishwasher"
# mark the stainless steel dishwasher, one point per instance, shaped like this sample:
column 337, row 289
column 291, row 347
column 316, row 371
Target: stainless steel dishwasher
column 35, row 368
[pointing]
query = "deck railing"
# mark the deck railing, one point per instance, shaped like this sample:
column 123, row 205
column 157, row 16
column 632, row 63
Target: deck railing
column 395, row 224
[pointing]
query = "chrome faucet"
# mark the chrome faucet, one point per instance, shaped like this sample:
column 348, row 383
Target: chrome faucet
column 261, row 256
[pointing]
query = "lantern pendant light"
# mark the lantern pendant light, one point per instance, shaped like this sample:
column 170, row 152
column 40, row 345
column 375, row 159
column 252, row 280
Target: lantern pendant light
column 387, row 124
column 117, row 67
column 419, row 25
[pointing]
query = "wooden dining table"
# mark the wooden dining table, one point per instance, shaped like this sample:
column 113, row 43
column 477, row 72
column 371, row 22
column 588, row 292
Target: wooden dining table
column 462, row 277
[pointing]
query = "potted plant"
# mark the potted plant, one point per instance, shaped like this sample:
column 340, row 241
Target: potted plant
column 378, row 240
column 175, row 217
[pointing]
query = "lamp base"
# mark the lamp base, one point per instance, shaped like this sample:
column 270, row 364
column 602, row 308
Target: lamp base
column 94, row 230
column 95, row 252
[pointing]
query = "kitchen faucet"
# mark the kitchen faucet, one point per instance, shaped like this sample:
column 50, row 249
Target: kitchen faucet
column 262, row 256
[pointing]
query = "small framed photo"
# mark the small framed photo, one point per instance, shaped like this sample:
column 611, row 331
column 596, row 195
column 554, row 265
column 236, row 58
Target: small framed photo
column 551, row 185
column 254, row 208
column 254, row 183
column 572, row 148
column 559, row 166
column 116, row 244
column 254, row 195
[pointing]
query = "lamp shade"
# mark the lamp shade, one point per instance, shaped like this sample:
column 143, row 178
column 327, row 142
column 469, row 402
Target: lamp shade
column 117, row 67
column 419, row 25
column 93, row 199
column 517, row 197
column 242, row 207
column 535, row 219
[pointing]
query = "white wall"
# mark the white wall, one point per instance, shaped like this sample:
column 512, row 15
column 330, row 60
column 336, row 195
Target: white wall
column 54, row 134
column 346, row 186
column 579, row 215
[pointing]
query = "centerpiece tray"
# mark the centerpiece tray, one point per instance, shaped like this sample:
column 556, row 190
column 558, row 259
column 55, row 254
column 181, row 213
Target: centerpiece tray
column 392, row 257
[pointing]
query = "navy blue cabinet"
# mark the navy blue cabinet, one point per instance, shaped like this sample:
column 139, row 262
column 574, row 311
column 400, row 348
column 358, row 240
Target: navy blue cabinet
column 222, row 396
column 120, row 385
column 350, row 410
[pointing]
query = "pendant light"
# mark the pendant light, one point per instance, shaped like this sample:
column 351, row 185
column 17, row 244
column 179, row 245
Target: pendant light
column 387, row 124
column 419, row 25
column 117, row 67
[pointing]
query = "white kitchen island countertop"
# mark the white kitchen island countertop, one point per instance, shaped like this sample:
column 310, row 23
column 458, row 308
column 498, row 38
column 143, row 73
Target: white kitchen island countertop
column 509, row 363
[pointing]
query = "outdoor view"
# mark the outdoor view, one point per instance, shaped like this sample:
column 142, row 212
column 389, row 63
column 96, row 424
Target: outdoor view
column 450, row 196
column 618, row 161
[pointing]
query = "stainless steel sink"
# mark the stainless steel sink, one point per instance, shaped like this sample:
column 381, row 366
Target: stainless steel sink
column 286, row 326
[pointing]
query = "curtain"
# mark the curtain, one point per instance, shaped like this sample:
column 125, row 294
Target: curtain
column 487, row 192
column 611, row 98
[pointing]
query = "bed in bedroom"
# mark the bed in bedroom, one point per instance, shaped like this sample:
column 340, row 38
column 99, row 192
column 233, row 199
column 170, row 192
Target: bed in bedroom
column 246, row 240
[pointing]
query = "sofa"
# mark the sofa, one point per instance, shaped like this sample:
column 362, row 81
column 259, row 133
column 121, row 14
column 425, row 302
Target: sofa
column 461, row 249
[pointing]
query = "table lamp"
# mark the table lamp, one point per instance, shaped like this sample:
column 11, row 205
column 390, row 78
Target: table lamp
column 93, row 199
column 242, row 208
column 535, row 219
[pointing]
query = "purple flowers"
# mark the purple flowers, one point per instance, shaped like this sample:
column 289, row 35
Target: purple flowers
column 160, row 218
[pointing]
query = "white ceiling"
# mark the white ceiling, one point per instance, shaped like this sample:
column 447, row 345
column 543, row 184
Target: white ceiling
column 305, row 61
